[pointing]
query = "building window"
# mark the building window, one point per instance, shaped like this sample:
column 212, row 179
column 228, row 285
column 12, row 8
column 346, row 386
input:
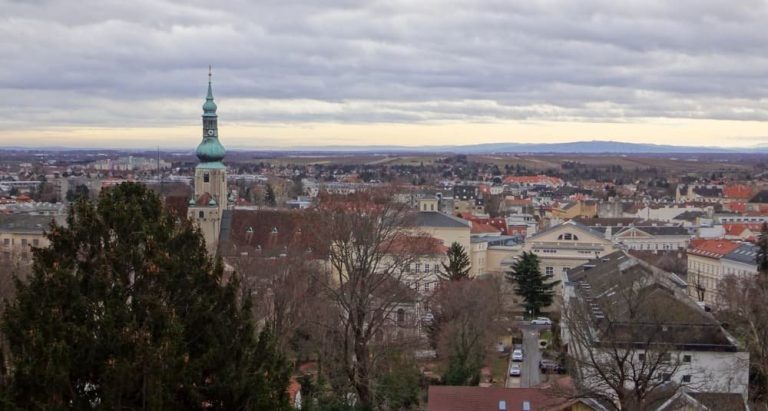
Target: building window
column 400, row 316
column 666, row 358
column 426, row 268
column 641, row 357
column 407, row 268
column 206, row 177
column 6, row 241
column 418, row 268
column 549, row 271
column 686, row 378
column 686, row 358
column 35, row 242
column 666, row 376
column 565, row 269
column 201, row 214
column 568, row 237
column 426, row 287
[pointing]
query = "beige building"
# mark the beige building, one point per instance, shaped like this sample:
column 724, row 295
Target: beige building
column 20, row 232
column 709, row 261
column 447, row 228
column 566, row 246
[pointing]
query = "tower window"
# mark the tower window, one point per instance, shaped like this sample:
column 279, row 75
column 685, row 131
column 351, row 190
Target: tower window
column 201, row 214
column 206, row 177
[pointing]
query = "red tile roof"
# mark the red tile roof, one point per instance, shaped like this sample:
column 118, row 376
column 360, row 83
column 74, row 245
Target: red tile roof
column 451, row 398
column 737, row 229
column 738, row 191
column 712, row 248
column 482, row 228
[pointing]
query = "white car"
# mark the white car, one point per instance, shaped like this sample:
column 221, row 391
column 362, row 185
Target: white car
column 514, row 371
column 517, row 355
column 541, row 321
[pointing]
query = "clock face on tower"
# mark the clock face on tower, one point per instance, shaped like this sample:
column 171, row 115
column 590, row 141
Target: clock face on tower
column 211, row 132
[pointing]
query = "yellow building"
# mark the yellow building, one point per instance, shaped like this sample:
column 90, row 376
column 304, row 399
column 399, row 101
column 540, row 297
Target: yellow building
column 20, row 232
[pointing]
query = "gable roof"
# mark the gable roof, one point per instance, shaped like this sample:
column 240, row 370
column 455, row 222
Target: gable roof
column 454, row 398
column 437, row 219
column 674, row 319
column 712, row 248
column 745, row 253
column 705, row 401
column 761, row 197
column 598, row 232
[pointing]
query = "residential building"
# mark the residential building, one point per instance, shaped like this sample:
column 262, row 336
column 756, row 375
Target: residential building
column 651, row 237
column 705, row 269
column 741, row 262
column 447, row 228
column 699, row 352
column 19, row 233
column 566, row 246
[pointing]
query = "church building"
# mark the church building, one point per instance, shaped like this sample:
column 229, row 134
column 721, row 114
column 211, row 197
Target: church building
column 206, row 208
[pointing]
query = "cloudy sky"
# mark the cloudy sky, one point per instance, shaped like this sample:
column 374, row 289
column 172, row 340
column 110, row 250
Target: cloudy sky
column 102, row 73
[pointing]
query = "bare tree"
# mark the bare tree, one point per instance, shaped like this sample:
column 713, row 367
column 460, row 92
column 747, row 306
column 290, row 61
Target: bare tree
column 741, row 305
column 626, row 335
column 467, row 320
column 371, row 242
column 285, row 290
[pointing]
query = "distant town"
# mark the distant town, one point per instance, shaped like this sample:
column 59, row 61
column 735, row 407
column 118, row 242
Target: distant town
column 644, row 264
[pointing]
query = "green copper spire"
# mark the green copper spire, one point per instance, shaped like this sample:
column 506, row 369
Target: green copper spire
column 210, row 151
column 209, row 107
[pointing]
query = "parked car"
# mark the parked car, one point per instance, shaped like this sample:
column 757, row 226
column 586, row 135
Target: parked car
column 541, row 321
column 517, row 355
column 549, row 366
column 514, row 371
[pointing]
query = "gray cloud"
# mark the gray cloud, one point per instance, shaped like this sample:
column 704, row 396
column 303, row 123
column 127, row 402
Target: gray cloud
column 111, row 63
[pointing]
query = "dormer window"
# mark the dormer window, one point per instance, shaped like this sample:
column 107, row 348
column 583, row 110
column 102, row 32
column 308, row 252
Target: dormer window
column 568, row 237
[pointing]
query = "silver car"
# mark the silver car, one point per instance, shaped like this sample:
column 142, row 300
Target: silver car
column 514, row 371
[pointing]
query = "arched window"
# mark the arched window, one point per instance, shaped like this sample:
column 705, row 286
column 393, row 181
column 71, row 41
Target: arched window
column 568, row 237
column 201, row 214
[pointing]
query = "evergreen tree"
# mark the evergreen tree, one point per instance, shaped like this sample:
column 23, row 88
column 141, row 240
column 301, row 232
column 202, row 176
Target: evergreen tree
column 458, row 264
column 269, row 196
column 125, row 310
column 530, row 284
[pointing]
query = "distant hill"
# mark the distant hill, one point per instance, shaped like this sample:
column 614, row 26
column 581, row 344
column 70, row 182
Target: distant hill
column 580, row 147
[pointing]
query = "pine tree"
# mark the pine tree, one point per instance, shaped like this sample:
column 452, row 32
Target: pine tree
column 269, row 196
column 458, row 264
column 125, row 310
column 531, row 285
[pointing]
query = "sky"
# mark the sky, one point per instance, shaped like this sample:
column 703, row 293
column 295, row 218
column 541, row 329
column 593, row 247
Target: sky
column 133, row 74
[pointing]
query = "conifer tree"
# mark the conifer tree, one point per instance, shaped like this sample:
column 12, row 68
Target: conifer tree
column 531, row 285
column 458, row 264
column 126, row 310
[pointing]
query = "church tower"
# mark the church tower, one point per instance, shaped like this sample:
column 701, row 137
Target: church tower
column 207, row 206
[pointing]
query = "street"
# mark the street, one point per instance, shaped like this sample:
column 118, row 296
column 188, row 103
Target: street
column 530, row 375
